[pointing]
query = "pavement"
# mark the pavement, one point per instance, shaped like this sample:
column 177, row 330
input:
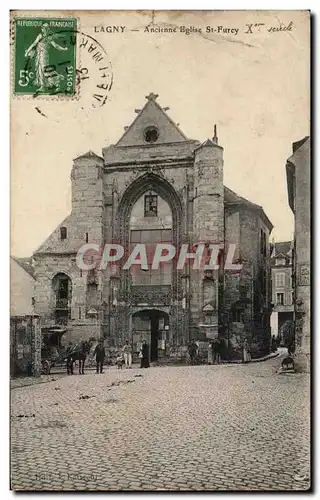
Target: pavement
column 188, row 428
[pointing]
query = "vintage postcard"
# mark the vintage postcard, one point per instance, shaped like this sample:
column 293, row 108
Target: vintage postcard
column 160, row 251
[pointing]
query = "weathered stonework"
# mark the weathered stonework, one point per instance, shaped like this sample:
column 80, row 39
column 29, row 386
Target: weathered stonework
column 193, row 205
column 298, row 178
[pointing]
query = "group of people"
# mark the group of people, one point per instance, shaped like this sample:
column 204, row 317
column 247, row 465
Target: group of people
column 215, row 348
column 124, row 357
column 214, row 352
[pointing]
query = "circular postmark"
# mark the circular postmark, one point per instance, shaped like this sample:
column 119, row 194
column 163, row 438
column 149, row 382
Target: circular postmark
column 94, row 75
column 54, row 60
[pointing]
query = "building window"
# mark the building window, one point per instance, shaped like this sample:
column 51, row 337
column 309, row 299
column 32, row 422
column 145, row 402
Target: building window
column 63, row 233
column 151, row 205
column 280, row 261
column 87, row 237
column 280, row 299
column 280, row 279
column 62, row 290
column 151, row 134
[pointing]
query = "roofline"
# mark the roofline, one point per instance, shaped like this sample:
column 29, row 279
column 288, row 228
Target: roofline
column 190, row 141
column 139, row 114
column 252, row 206
column 207, row 144
column 297, row 144
column 88, row 154
column 37, row 251
column 18, row 261
column 47, row 252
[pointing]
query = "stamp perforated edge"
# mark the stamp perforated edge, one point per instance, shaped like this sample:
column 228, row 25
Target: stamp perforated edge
column 41, row 97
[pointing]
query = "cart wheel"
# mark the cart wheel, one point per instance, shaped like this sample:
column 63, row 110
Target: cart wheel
column 46, row 367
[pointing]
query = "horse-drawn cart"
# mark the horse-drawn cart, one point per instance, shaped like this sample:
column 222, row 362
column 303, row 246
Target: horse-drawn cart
column 52, row 353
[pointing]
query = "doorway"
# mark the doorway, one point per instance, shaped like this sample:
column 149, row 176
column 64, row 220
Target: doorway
column 151, row 325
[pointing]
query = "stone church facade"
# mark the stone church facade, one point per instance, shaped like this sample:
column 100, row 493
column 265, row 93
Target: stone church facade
column 156, row 185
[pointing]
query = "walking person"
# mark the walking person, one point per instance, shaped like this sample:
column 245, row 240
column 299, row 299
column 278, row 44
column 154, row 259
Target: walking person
column 144, row 355
column 100, row 354
column 246, row 351
column 127, row 354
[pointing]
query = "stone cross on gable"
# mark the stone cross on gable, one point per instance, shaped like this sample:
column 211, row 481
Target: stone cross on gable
column 152, row 96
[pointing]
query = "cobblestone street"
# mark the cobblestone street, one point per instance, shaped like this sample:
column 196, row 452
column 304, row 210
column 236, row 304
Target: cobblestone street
column 228, row 427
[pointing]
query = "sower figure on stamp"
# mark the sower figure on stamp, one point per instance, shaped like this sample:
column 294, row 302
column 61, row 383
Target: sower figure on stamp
column 40, row 49
column 100, row 354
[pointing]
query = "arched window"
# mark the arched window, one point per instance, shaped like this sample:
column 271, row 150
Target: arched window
column 62, row 292
column 151, row 230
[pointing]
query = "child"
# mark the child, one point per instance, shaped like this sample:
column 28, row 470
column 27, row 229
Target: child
column 120, row 361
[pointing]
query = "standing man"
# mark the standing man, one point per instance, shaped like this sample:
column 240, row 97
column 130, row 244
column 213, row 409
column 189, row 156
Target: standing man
column 192, row 348
column 100, row 354
column 216, row 351
column 69, row 359
column 127, row 354
column 210, row 352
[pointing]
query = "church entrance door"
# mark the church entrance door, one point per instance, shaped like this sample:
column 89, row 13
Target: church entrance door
column 149, row 325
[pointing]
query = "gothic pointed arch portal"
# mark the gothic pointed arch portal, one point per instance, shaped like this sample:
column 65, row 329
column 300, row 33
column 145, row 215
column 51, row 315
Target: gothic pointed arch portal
column 137, row 188
column 168, row 295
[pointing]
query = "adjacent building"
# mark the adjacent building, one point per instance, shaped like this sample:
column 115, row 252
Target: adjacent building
column 299, row 193
column 282, row 288
column 22, row 291
column 156, row 185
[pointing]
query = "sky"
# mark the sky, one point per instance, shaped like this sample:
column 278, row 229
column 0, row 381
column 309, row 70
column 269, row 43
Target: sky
column 255, row 87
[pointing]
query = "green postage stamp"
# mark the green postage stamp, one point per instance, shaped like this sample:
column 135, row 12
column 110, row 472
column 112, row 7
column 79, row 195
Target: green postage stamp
column 45, row 56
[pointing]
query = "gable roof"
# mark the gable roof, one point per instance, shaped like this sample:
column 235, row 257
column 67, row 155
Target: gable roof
column 26, row 264
column 152, row 114
column 296, row 145
column 53, row 244
column 282, row 248
column 232, row 198
column 88, row 154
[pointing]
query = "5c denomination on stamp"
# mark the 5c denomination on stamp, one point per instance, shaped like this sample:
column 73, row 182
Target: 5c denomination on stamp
column 44, row 59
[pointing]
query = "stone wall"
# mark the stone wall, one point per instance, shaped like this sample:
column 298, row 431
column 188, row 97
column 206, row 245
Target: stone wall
column 302, row 257
column 46, row 267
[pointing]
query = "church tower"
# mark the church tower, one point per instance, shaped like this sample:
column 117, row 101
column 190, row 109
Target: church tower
column 208, row 228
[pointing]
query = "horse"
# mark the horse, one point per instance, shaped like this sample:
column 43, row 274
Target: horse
column 79, row 353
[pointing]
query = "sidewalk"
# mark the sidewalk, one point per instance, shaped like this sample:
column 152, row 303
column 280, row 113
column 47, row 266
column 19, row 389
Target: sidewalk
column 253, row 360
